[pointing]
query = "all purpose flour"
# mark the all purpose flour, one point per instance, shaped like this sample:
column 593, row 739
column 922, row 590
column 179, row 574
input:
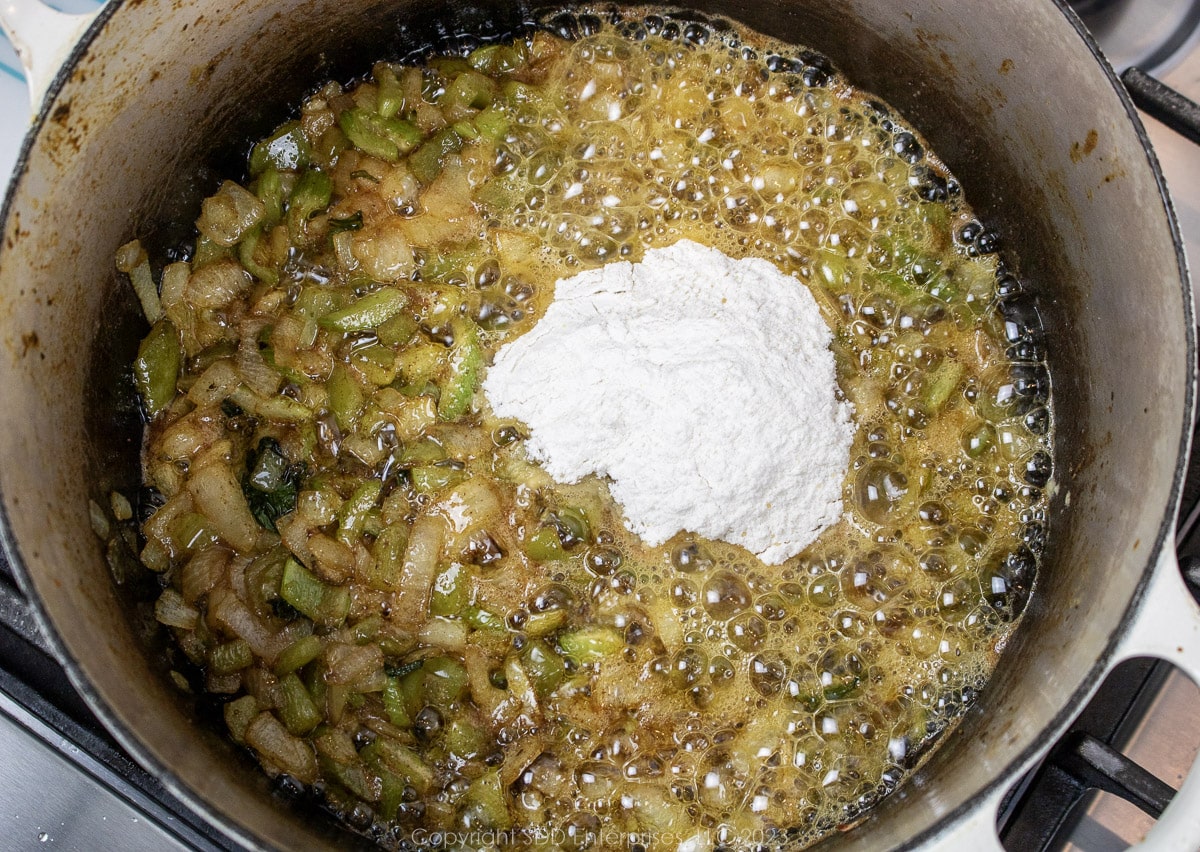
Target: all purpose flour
column 702, row 386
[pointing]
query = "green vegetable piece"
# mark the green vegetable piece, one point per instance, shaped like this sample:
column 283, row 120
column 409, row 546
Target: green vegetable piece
column 572, row 526
column 247, row 252
column 349, row 223
column 464, row 739
column 300, row 588
column 397, row 331
column 336, row 605
column 366, row 313
column 297, row 710
column 231, row 657
column 238, row 715
column 297, row 655
column 389, row 94
column 403, row 670
column 470, row 90
column 401, row 760
column 842, row 687
column 482, row 619
column 897, row 284
column 591, row 643
column 156, row 369
column 433, row 478
column 427, row 161
column 487, row 794
column 346, row 398
column 385, row 138
column 941, row 385
column 286, row 149
column 271, row 483
column 545, row 667
column 445, row 681
column 311, row 195
column 493, row 59
column 391, row 792
column 353, row 514
column 271, row 192
column 394, row 704
column 466, row 367
column 545, row 545
column 544, row 623
column 492, row 124
column 449, row 595
column 833, row 270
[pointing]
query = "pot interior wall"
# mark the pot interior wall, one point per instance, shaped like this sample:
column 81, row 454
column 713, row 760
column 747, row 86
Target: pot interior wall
column 1009, row 96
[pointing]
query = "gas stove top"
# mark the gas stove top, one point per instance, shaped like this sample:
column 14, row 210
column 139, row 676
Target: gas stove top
column 65, row 785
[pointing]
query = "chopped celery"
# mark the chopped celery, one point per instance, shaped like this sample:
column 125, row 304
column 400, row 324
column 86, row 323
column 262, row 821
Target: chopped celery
column 385, row 138
column 394, row 704
column 385, row 569
column 449, row 591
column 366, row 313
column 432, row 478
column 492, row 124
column 302, row 590
column 545, row 545
column 444, row 682
column 466, row 366
column 297, row 710
column 231, row 657
column 156, row 369
column 544, row 623
column 482, row 619
column 427, row 161
column 399, row 759
column 469, row 90
column 389, row 94
column 545, row 667
column 328, row 605
column 286, row 149
column 591, row 643
column 353, row 513
column 311, row 194
column 272, row 193
column 465, row 740
column 297, row 655
column 497, row 58
column 346, row 398
column 238, row 715
column 941, row 384
column 397, row 331
column 487, row 793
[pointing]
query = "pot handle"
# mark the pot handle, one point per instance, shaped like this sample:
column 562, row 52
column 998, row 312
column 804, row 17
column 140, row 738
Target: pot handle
column 43, row 39
column 1167, row 626
column 1160, row 101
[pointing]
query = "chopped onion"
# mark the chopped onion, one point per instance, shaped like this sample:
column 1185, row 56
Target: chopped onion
column 173, row 611
column 267, row 736
column 418, row 571
column 219, row 498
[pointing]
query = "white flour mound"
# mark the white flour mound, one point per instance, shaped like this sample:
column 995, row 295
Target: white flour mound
column 702, row 386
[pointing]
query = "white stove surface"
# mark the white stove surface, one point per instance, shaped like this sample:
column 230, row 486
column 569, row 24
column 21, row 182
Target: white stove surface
column 50, row 821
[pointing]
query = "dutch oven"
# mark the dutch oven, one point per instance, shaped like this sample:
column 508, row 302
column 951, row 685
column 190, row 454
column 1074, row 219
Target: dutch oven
column 155, row 100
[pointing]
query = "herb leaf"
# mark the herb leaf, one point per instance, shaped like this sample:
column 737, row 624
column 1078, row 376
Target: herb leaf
column 271, row 483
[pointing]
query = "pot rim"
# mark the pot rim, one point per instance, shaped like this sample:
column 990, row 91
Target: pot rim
column 132, row 743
